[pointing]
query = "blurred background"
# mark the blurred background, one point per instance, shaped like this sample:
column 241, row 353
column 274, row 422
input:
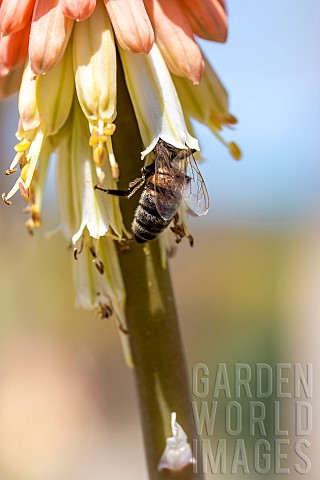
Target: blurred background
column 247, row 292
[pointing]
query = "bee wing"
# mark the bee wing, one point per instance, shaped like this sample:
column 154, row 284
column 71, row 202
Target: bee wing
column 169, row 184
column 195, row 192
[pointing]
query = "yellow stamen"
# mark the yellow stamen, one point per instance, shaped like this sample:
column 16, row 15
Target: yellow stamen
column 36, row 217
column 11, row 171
column 109, row 129
column 23, row 145
column 4, row 198
column 231, row 146
column 24, row 172
column 235, row 151
column 100, row 155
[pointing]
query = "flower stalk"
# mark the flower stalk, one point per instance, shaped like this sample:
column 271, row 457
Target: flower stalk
column 156, row 347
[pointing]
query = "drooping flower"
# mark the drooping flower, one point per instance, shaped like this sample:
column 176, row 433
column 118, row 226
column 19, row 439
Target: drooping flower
column 62, row 56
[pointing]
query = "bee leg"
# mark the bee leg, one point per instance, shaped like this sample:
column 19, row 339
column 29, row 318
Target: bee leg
column 118, row 193
column 133, row 186
column 178, row 229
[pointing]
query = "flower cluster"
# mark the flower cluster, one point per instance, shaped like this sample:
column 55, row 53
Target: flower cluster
column 62, row 57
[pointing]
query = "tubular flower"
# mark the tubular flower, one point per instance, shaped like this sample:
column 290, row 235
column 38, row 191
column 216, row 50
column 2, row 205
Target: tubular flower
column 62, row 57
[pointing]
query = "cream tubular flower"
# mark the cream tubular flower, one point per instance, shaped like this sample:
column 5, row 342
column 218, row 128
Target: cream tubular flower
column 82, row 208
column 95, row 67
column 155, row 101
column 208, row 103
column 41, row 115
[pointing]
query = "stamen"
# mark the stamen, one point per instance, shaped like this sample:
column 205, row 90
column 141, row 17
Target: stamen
column 77, row 252
column 4, row 198
column 112, row 159
column 25, row 192
column 100, row 155
column 22, row 146
column 231, row 146
column 11, row 171
column 99, row 266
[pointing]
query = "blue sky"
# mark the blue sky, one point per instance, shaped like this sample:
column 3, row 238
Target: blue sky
column 271, row 68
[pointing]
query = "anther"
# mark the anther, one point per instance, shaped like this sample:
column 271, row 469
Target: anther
column 4, row 198
column 10, row 171
column 99, row 266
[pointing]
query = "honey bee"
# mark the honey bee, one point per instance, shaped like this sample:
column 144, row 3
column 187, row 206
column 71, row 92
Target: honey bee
column 172, row 177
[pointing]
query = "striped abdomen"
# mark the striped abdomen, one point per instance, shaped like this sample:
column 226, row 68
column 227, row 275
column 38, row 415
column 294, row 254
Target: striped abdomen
column 147, row 223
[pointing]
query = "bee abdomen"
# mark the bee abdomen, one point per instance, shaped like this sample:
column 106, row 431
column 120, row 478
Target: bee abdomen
column 147, row 223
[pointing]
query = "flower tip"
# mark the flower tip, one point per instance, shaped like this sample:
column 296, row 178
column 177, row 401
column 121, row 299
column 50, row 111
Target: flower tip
column 231, row 119
column 4, row 198
column 235, row 151
column 197, row 73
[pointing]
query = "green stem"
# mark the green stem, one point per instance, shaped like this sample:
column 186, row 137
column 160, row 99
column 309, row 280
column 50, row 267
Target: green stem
column 160, row 369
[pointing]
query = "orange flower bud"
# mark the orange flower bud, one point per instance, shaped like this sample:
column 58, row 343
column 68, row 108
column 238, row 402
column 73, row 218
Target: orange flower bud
column 77, row 9
column 14, row 15
column 131, row 24
column 49, row 36
column 175, row 39
column 14, row 50
column 208, row 18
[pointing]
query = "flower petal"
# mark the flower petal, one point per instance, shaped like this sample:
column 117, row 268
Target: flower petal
column 204, row 101
column 14, row 15
column 49, row 36
column 35, row 105
column 14, row 49
column 175, row 39
column 208, row 18
column 155, row 101
column 77, row 9
column 131, row 24
column 208, row 103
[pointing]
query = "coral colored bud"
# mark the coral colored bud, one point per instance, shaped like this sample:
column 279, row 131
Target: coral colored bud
column 14, row 50
column 175, row 39
column 14, row 15
column 131, row 24
column 49, row 36
column 77, row 9
column 208, row 18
